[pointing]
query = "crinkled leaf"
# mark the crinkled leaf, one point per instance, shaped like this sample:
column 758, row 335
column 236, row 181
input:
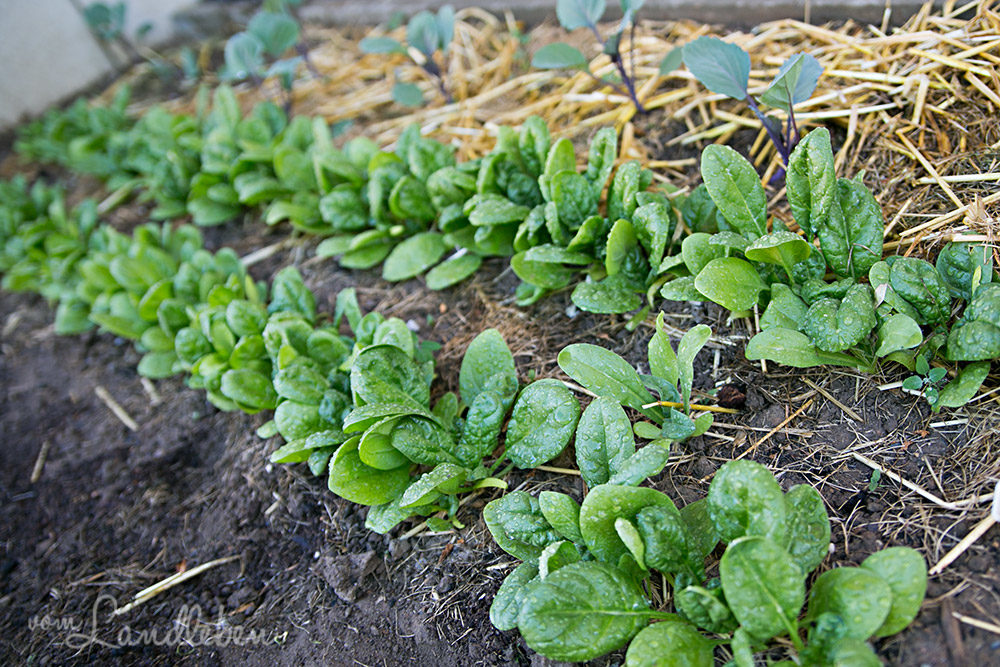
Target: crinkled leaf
column 763, row 586
column 811, row 181
column 744, row 499
column 835, row 326
column 541, row 424
column 603, row 441
column 808, row 536
column 518, row 526
column 581, row 611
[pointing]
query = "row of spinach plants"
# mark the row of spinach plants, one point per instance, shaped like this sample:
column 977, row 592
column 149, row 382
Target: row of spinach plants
column 825, row 292
column 357, row 409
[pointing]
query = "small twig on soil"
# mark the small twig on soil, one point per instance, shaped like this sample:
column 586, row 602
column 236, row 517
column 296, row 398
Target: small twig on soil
column 43, row 453
column 267, row 251
column 693, row 406
column 115, row 408
column 561, row 471
column 917, row 489
column 752, row 448
column 149, row 593
column 150, row 389
column 420, row 527
column 576, row 387
column 850, row 413
column 976, row 623
column 980, row 529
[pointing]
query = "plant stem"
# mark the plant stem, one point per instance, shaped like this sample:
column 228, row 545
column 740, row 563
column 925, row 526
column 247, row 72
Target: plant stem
column 629, row 83
column 775, row 138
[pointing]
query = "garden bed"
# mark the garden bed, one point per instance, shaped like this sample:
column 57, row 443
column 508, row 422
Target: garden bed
column 113, row 510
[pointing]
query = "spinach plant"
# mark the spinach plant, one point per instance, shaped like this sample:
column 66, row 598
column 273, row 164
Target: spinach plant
column 427, row 34
column 574, row 14
column 671, row 377
column 724, row 68
column 580, row 591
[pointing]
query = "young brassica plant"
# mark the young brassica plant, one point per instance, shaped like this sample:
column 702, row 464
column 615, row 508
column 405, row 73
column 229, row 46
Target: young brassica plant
column 574, row 14
column 269, row 35
column 426, row 35
column 724, row 68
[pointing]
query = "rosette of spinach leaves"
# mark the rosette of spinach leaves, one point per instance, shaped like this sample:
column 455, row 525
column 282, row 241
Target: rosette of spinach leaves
column 579, row 592
column 616, row 383
column 364, row 417
column 82, row 137
column 382, row 205
column 566, row 234
column 41, row 245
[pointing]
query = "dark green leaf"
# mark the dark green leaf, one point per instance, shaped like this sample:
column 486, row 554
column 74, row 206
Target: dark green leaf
column 541, row 424
column 764, row 587
column 581, row 611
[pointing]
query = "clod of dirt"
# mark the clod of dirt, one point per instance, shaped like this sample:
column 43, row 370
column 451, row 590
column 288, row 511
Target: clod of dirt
column 346, row 573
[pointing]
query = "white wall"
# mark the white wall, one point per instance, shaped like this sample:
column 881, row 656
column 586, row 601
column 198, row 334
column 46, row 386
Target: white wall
column 47, row 52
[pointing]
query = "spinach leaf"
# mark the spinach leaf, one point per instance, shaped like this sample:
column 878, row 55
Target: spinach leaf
column 905, row 571
column 555, row 556
column 706, row 608
column 606, row 503
column 581, row 611
column 731, row 282
column 808, row 535
column 918, row 282
column 541, row 424
column 851, row 235
column 669, row 547
column 644, row 463
column 669, row 643
column 764, row 587
column 606, row 374
column 352, row 480
column 744, row 499
column 507, row 602
column 603, row 441
column 793, row 348
column 735, row 188
column 835, row 325
column 518, row 526
column 486, row 356
column 444, row 478
column 976, row 337
column 413, row 256
column 860, row 597
column 385, row 374
column 563, row 513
